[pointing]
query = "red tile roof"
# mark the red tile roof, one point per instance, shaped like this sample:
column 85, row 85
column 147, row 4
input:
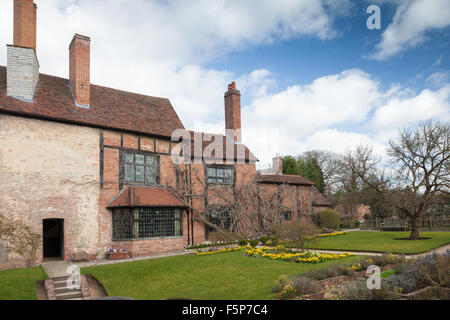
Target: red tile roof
column 110, row 108
column 145, row 197
column 245, row 154
column 285, row 179
column 319, row 199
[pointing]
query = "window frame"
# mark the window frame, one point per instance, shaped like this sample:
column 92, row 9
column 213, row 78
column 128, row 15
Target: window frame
column 216, row 167
column 123, row 163
column 283, row 215
column 133, row 223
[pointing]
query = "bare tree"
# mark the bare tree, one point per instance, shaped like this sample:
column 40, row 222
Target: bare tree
column 330, row 164
column 418, row 170
column 241, row 210
column 20, row 238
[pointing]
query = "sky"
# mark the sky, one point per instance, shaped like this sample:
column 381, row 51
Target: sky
column 312, row 75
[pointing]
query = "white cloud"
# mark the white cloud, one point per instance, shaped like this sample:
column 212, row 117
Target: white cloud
column 344, row 97
column 438, row 78
column 341, row 141
column 302, row 118
column 399, row 111
column 412, row 20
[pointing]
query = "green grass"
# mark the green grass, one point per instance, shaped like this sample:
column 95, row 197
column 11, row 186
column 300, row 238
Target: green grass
column 387, row 273
column 227, row 276
column 373, row 241
column 20, row 284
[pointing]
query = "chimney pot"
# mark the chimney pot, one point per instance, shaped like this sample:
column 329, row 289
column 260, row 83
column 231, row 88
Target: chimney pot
column 79, row 70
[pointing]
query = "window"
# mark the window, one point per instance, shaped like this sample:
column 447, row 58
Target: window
column 286, row 216
column 139, row 168
column 220, row 175
column 220, row 216
column 146, row 223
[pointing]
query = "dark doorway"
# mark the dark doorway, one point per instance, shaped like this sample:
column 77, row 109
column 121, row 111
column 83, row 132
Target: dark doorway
column 53, row 231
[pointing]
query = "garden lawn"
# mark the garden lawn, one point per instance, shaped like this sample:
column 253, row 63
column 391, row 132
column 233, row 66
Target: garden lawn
column 20, row 284
column 374, row 241
column 224, row 276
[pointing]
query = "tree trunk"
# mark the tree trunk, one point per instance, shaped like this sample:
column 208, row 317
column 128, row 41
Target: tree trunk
column 414, row 228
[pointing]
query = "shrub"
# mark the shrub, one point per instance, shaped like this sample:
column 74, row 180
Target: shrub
column 326, row 230
column 358, row 290
column 264, row 240
column 304, row 286
column 432, row 270
column 21, row 239
column 224, row 237
column 289, row 288
column 281, row 282
column 387, row 258
column 254, row 242
column 303, row 234
column 398, row 268
column 243, row 242
column 329, row 219
column 329, row 272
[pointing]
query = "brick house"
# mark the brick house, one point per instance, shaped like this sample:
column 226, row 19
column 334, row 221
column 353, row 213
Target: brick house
column 90, row 168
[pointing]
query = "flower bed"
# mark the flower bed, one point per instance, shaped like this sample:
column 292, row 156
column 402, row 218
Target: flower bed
column 280, row 253
column 118, row 254
column 225, row 250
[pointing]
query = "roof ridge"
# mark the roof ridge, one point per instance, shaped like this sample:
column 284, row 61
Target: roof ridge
column 101, row 86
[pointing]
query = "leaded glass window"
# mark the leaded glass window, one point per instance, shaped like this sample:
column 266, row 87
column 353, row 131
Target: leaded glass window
column 220, row 175
column 142, row 223
column 139, row 168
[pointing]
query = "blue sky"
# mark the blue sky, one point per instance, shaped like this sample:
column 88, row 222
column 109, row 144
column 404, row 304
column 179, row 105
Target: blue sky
column 300, row 61
column 312, row 76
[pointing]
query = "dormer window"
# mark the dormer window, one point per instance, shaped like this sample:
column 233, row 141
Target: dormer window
column 141, row 169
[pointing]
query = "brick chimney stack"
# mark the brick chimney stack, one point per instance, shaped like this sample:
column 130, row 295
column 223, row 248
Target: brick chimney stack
column 22, row 64
column 277, row 165
column 79, row 70
column 25, row 23
column 233, row 112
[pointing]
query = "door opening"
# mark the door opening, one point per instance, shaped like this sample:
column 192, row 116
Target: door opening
column 53, row 238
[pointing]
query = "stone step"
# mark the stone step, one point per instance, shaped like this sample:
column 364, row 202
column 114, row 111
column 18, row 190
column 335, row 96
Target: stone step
column 60, row 278
column 64, row 290
column 66, row 296
column 60, row 284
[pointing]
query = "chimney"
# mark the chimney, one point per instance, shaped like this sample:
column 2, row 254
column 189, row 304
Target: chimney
column 233, row 113
column 25, row 23
column 79, row 70
column 22, row 63
column 277, row 165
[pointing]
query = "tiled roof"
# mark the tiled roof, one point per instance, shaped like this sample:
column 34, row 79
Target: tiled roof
column 285, row 179
column 319, row 199
column 145, row 197
column 109, row 109
column 200, row 149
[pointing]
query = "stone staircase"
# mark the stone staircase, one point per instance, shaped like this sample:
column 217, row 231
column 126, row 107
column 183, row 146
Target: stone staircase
column 56, row 284
column 64, row 293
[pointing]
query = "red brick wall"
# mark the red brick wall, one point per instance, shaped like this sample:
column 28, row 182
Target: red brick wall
column 233, row 111
column 25, row 23
column 113, row 142
column 79, row 69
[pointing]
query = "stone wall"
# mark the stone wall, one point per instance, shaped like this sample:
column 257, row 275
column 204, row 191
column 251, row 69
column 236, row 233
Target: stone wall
column 23, row 73
column 50, row 170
